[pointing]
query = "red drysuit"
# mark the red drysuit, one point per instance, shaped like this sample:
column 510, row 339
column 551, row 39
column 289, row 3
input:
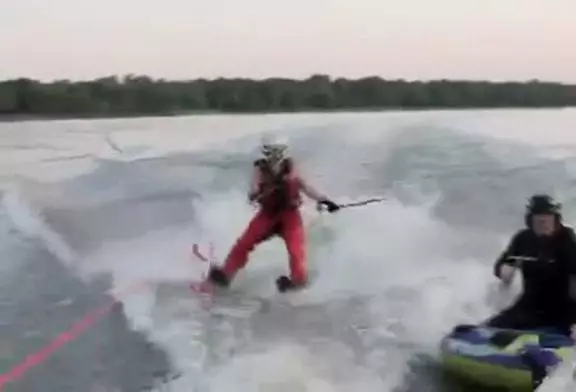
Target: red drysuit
column 279, row 199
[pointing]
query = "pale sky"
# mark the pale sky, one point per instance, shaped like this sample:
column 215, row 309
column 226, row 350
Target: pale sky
column 186, row 39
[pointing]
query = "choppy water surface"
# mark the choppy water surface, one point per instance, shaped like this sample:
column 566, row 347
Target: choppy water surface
column 91, row 207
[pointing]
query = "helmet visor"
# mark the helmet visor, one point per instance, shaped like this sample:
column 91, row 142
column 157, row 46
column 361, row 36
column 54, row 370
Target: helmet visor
column 273, row 151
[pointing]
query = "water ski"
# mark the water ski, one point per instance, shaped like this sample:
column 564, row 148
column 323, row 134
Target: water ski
column 216, row 280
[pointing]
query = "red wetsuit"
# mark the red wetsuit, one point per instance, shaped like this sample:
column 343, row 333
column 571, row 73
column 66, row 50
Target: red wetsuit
column 278, row 215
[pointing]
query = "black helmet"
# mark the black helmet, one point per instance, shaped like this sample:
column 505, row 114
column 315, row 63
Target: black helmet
column 543, row 204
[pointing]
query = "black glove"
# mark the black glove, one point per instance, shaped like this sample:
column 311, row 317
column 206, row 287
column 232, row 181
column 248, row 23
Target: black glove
column 253, row 196
column 330, row 205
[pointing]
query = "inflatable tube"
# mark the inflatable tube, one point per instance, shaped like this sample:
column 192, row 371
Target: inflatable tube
column 503, row 358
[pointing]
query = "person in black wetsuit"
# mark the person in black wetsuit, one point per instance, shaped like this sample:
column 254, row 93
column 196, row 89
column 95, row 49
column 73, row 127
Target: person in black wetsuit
column 545, row 253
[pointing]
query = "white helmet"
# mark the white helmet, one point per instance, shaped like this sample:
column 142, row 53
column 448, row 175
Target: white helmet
column 274, row 148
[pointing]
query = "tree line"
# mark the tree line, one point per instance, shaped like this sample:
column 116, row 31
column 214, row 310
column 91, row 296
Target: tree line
column 142, row 95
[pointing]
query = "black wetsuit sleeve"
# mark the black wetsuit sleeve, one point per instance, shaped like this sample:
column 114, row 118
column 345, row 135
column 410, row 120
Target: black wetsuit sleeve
column 570, row 255
column 504, row 256
column 570, row 251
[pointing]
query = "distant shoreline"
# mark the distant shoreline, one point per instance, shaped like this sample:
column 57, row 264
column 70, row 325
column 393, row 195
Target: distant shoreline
column 136, row 96
column 6, row 118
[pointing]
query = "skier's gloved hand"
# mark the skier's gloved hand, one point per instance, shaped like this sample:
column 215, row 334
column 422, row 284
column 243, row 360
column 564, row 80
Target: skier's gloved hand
column 252, row 196
column 330, row 205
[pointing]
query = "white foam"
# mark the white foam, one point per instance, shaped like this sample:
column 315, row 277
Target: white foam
column 30, row 222
column 563, row 378
column 286, row 368
column 362, row 251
